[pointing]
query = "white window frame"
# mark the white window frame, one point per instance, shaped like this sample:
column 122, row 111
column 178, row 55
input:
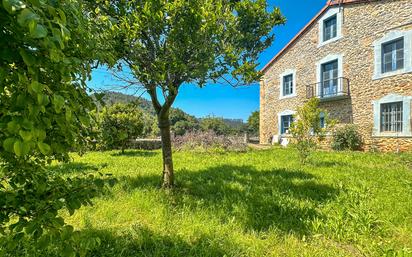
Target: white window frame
column 322, row 115
column 284, row 113
column 407, row 51
column 331, row 12
column 281, row 76
column 406, row 119
column 329, row 58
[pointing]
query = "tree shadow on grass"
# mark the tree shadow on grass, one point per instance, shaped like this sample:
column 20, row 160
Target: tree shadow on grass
column 76, row 167
column 135, row 153
column 136, row 242
column 140, row 241
column 257, row 199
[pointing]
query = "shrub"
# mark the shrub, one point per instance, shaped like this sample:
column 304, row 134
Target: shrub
column 119, row 124
column 253, row 123
column 215, row 124
column 307, row 129
column 208, row 141
column 347, row 138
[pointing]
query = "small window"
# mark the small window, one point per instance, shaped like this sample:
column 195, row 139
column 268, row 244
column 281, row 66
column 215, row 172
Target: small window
column 322, row 122
column 393, row 56
column 330, row 28
column 391, row 117
column 288, row 85
column 286, row 121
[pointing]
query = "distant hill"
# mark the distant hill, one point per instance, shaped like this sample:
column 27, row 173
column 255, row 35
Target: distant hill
column 111, row 98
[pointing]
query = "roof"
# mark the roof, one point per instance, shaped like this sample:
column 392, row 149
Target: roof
column 329, row 4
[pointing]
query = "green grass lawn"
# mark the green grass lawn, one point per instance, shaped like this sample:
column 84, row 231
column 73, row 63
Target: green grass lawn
column 259, row 203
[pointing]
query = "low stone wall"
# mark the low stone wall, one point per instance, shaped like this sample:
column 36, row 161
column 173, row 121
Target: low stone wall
column 146, row 144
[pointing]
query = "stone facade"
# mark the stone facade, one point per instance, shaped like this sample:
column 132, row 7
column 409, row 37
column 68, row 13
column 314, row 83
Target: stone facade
column 362, row 24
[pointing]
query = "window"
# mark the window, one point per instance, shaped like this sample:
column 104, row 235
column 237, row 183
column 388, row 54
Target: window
column 393, row 55
column 329, row 78
column 392, row 117
column 330, row 28
column 286, row 122
column 322, row 122
column 288, row 85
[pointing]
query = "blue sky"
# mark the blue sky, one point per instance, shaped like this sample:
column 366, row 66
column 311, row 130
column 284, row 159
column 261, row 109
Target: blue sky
column 225, row 101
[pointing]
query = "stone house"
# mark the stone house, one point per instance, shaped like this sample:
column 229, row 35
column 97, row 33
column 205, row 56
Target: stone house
column 356, row 56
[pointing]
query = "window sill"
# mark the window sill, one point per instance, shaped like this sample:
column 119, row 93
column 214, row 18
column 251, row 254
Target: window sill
column 329, row 41
column 392, row 135
column 391, row 74
column 287, row 96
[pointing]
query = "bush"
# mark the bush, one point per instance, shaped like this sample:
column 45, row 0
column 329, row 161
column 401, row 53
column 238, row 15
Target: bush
column 215, row 124
column 208, row 141
column 347, row 138
column 119, row 124
column 307, row 129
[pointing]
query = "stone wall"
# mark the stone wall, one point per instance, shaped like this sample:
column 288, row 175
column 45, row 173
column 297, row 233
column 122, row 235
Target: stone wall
column 363, row 23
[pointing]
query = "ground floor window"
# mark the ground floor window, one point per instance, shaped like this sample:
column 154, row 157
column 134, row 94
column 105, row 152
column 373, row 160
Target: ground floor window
column 392, row 117
column 286, row 122
column 322, row 122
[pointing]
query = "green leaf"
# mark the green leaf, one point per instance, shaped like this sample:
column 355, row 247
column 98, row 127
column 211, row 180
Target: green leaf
column 28, row 58
column 13, row 127
column 43, row 99
column 37, row 87
column 21, row 148
column 58, row 102
column 26, row 16
column 26, row 135
column 8, row 144
column 12, row 5
column 68, row 251
column 43, row 242
column 39, row 32
column 84, row 120
column 44, row 148
column 68, row 114
column 40, row 134
column 62, row 16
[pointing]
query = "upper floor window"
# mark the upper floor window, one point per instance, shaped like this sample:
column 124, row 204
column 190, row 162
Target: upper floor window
column 330, row 28
column 288, row 85
column 392, row 55
column 330, row 77
column 392, row 117
column 329, row 85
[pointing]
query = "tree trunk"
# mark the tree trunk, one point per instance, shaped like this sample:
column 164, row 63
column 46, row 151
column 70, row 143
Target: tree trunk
column 168, row 175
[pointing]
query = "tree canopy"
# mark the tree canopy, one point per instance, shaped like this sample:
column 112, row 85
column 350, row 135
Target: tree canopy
column 253, row 122
column 47, row 50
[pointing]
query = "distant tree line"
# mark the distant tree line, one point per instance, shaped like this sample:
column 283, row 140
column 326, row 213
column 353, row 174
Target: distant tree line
column 124, row 117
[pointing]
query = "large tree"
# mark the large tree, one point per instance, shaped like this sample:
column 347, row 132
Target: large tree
column 166, row 44
column 47, row 49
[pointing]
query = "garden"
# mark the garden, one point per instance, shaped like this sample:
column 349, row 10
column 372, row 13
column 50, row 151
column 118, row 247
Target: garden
column 71, row 186
column 254, row 203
